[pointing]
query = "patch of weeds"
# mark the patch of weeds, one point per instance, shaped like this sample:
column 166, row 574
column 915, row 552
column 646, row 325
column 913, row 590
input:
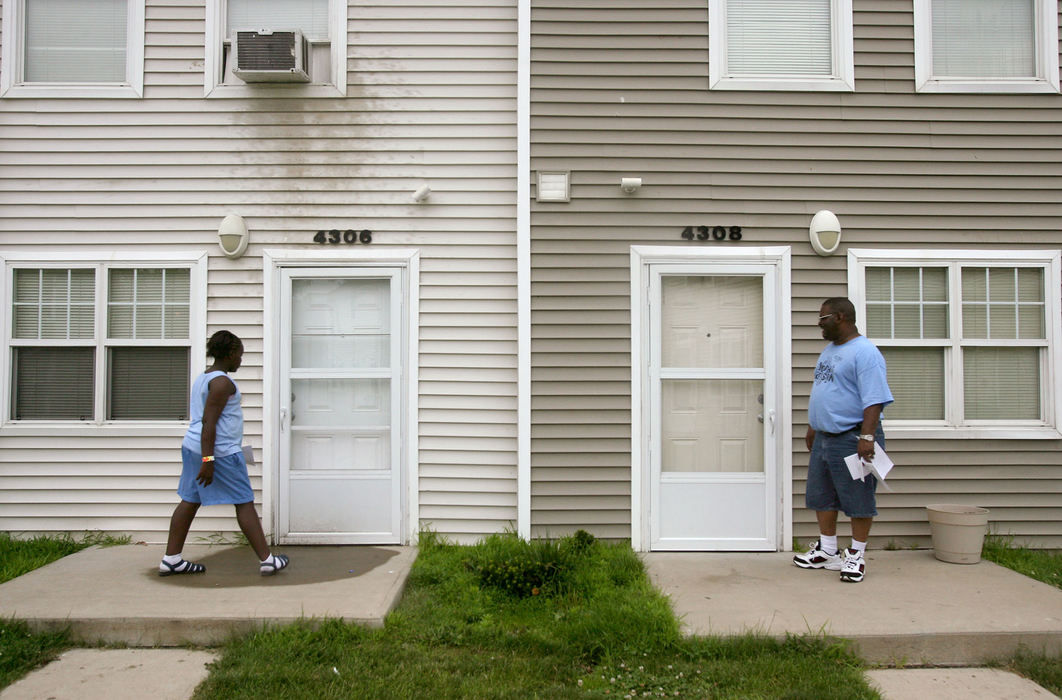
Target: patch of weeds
column 21, row 651
column 523, row 568
column 1041, row 669
column 1040, row 564
column 223, row 539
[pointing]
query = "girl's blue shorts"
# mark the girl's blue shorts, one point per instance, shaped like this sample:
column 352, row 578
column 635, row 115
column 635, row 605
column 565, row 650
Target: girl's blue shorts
column 231, row 484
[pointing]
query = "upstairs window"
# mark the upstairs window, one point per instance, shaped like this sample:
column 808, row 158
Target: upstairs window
column 321, row 24
column 1006, row 46
column 781, row 45
column 73, row 48
column 970, row 340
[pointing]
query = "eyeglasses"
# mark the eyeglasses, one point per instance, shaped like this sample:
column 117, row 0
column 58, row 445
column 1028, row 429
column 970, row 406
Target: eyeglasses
column 823, row 318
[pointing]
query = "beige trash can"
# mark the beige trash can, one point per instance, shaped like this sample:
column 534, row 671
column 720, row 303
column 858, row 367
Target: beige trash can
column 958, row 532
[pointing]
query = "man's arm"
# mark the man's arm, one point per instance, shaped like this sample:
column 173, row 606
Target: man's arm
column 871, row 416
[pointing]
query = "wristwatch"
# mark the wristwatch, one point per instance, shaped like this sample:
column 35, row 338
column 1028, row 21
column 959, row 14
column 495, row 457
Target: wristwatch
column 867, row 437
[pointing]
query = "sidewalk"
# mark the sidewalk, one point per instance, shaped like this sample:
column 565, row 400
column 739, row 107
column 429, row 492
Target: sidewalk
column 911, row 610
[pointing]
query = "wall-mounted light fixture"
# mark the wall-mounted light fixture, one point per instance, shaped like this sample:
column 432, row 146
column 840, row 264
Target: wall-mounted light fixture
column 825, row 232
column 553, row 186
column 630, row 185
column 233, row 236
column 421, row 193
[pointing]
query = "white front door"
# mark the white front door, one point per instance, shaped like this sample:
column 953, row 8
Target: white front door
column 340, row 433
column 714, row 406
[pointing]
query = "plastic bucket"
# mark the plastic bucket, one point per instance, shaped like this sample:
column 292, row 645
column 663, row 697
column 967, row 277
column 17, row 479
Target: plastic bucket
column 958, row 532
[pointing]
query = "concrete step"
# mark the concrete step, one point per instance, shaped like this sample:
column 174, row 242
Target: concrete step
column 911, row 609
column 115, row 595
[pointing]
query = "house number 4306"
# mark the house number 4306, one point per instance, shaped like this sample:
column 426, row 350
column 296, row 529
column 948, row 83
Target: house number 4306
column 714, row 233
column 350, row 236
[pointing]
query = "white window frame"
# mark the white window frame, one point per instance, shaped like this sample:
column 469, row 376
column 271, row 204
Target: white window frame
column 1050, row 261
column 1046, row 52
column 13, row 64
column 842, row 80
column 336, row 86
column 194, row 261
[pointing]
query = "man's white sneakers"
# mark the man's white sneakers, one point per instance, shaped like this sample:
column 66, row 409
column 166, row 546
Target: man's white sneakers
column 816, row 558
column 854, row 566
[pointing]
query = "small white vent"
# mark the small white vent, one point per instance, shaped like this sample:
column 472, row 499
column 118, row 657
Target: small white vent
column 271, row 56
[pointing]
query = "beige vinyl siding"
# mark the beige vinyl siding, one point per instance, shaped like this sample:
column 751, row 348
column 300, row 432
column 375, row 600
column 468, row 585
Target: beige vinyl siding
column 431, row 99
column 621, row 90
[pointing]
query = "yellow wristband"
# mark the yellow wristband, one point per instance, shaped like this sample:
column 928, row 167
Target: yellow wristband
column 208, row 459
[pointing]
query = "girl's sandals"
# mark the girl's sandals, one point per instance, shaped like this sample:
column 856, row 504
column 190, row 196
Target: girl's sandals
column 181, row 567
column 279, row 561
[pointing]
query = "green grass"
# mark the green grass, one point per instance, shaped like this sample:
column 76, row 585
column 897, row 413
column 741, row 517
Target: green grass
column 1039, row 668
column 21, row 651
column 17, row 556
column 1040, row 564
column 574, row 618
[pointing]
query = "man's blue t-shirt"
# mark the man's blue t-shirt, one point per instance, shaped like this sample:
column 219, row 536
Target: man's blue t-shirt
column 848, row 378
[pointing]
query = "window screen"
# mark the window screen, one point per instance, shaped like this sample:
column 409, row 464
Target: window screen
column 310, row 16
column 75, row 41
column 984, row 38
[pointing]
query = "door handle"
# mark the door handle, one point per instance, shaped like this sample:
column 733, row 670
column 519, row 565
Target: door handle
column 283, row 418
column 770, row 417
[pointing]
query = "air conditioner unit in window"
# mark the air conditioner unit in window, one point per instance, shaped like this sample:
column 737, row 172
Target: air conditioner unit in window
column 271, row 56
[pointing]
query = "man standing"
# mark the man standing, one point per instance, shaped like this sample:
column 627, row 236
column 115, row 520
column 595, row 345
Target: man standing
column 844, row 415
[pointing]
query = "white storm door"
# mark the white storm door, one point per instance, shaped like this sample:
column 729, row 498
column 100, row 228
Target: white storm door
column 713, row 395
column 340, row 480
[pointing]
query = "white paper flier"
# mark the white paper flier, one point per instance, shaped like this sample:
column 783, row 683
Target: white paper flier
column 880, row 465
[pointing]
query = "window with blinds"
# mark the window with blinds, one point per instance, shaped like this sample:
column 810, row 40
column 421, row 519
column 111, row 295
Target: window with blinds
column 778, row 37
column 72, row 41
column 964, row 343
column 986, row 45
column 142, row 352
column 781, row 44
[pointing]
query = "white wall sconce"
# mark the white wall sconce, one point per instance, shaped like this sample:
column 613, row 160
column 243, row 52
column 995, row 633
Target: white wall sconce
column 421, row 193
column 630, row 185
column 825, row 232
column 553, row 186
column 233, row 236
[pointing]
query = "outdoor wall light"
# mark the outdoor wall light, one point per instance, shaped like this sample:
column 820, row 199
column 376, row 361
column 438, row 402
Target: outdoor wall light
column 825, row 232
column 421, row 193
column 233, row 236
column 553, row 186
column 630, row 185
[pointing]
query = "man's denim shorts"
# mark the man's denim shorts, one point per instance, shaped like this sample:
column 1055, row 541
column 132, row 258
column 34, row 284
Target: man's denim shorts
column 830, row 485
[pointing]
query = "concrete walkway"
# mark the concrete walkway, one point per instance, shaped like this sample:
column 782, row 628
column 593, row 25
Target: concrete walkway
column 911, row 610
column 114, row 595
column 115, row 674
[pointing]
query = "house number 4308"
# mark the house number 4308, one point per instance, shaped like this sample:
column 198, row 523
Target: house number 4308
column 714, row 233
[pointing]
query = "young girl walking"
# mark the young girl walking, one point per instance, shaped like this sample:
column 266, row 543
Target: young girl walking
column 214, row 470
